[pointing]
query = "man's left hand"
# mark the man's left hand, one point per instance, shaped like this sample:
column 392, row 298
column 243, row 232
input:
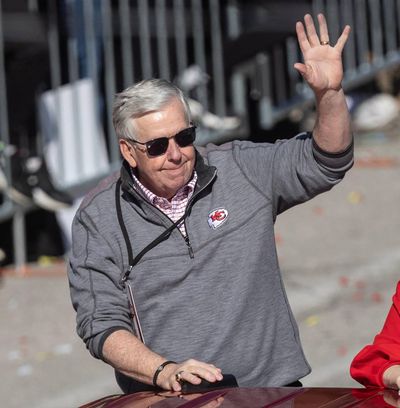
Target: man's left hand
column 322, row 67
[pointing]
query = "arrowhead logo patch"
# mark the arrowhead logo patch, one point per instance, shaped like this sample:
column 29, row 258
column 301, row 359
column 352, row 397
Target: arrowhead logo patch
column 217, row 217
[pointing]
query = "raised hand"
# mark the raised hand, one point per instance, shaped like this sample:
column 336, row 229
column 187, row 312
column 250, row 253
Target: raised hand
column 322, row 67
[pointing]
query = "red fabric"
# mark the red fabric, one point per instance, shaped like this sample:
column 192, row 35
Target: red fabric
column 370, row 363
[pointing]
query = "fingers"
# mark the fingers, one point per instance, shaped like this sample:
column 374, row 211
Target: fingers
column 194, row 371
column 308, row 36
column 188, row 377
column 302, row 37
column 311, row 31
column 191, row 371
column 301, row 68
column 343, row 38
column 323, row 29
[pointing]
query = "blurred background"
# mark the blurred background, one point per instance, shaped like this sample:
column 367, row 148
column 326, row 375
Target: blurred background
column 62, row 61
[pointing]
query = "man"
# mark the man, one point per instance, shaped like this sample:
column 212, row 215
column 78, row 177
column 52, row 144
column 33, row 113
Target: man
column 207, row 290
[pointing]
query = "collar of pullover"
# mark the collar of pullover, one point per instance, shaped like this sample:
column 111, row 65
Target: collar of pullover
column 205, row 175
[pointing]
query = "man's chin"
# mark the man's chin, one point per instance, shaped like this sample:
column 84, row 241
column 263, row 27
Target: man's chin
column 172, row 188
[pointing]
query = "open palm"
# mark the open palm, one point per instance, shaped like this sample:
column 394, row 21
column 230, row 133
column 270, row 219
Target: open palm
column 322, row 67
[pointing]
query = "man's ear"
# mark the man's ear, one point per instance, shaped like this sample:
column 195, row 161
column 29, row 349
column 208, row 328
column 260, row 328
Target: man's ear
column 128, row 152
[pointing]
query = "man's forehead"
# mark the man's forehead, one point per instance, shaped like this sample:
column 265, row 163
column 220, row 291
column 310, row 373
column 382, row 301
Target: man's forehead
column 157, row 115
column 173, row 103
column 169, row 119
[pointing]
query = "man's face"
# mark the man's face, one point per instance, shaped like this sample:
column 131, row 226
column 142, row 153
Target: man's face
column 165, row 174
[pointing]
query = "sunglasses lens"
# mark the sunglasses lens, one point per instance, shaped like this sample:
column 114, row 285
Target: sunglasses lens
column 186, row 137
column 157, row 147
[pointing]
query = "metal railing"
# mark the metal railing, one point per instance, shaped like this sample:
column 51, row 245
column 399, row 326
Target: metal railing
column 114, row 44
column 128, row 42
column 373, row 46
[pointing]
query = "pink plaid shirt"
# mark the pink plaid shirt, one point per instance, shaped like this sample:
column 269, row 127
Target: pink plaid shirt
column 175, row 208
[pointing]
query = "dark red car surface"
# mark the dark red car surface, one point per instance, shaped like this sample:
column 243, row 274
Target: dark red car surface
column 257, row 398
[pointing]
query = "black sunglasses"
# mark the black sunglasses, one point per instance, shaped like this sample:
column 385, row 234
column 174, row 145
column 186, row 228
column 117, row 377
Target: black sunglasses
column 157, row 147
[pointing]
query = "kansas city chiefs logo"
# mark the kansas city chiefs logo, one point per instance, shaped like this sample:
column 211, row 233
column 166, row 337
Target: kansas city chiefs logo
column 217, row 217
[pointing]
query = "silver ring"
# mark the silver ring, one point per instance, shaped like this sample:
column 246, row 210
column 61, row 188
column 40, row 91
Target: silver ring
column 178, row 376
column 324, row 42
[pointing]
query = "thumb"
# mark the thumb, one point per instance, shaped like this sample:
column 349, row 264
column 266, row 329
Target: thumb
column 301, row 68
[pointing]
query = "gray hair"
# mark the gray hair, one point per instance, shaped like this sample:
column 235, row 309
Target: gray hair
column 141, row 98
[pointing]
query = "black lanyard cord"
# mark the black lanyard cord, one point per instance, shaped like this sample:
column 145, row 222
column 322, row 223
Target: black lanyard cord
column 133, row 261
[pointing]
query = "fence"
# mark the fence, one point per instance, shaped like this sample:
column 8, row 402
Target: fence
column 99, row 47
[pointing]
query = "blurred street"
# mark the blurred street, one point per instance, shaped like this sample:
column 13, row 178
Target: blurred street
column 340, row 259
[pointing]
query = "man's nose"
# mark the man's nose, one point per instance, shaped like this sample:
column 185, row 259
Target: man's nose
column 174, row 152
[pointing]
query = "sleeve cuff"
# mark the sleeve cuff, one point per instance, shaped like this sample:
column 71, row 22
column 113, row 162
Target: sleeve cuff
column 104, row 337
column 340, row 161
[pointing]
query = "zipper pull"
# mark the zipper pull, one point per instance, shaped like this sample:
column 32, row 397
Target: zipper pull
column 191, row 253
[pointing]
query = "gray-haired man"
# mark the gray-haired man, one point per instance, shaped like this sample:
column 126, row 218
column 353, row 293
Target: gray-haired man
column 208, row 292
